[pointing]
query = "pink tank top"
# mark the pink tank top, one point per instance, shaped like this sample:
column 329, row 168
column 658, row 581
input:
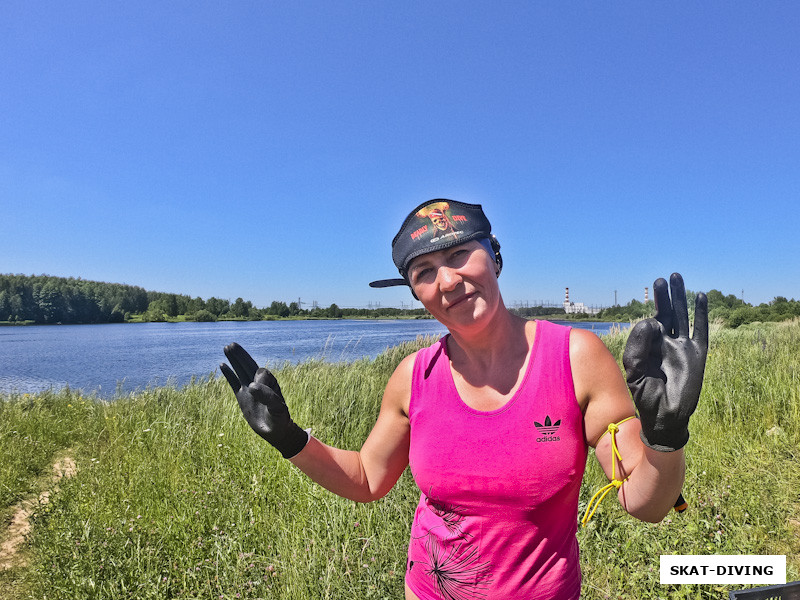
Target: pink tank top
column 497, row 516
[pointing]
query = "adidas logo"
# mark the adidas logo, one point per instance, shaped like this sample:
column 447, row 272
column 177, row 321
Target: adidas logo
column 547, row 430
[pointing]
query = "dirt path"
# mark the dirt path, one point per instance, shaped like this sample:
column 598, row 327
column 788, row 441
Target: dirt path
column 13, row 538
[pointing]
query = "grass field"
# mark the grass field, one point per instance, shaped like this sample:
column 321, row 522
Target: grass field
column 175, row 497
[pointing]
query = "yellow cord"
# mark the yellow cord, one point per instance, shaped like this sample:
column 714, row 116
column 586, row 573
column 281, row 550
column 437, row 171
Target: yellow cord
column 615, row 483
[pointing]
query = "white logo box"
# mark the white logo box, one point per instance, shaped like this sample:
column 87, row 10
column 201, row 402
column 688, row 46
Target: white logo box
column 723, row 568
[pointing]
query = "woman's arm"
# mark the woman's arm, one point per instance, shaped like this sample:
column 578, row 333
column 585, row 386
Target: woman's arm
column 370, row 473
column 652, row 479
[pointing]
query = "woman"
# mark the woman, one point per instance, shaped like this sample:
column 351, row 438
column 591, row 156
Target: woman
column 495, row 420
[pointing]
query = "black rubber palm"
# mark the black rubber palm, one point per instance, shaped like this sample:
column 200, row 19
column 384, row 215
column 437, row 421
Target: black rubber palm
column 664, row 366
column 262, row 403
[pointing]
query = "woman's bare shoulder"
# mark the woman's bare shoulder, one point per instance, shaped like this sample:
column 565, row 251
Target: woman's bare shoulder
column 397, row 395
column 599, row 385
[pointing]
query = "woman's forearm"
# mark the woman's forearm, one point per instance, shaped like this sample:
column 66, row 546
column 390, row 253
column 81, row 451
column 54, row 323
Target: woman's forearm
column 654, row 484
column 338, row 471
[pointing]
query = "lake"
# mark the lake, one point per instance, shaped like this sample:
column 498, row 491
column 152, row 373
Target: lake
column 122, row 358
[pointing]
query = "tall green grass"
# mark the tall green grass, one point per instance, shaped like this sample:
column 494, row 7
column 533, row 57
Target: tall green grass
column 175, row 497
column 743, row 473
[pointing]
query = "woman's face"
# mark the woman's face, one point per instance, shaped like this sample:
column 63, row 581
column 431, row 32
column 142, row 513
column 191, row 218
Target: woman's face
column 457, row 285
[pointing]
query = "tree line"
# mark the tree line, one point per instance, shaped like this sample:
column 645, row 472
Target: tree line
column 728, row 309
column 46, row 299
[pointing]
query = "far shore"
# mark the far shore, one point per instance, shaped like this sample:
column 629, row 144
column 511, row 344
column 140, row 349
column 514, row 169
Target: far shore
column 184, row 319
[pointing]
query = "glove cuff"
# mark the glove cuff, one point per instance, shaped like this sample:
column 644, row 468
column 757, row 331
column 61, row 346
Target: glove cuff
column 675, row 442
column 294, row 441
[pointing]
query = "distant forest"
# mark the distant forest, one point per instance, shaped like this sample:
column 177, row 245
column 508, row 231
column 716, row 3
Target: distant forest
column 46, row 300
column 727, row 309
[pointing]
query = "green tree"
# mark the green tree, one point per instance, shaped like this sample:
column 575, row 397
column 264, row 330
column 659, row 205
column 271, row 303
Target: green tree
column 240, row 308
column 217, row 306
column 194, row 305
column 157, row 310
column 172, row 305
column 5, row 305
column 278, row 308
column 117, row 315
column 740, row 316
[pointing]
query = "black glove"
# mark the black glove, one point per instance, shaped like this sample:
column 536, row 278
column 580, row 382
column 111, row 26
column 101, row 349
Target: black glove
column 665, row 367
column 262, row 403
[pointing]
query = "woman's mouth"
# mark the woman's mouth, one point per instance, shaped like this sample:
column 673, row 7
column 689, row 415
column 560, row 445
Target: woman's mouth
column 460, row 300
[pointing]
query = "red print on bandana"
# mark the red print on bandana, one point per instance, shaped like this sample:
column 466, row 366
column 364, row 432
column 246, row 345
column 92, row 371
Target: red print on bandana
column 442, row 222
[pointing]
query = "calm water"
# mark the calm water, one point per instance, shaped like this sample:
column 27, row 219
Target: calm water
column 103, row 359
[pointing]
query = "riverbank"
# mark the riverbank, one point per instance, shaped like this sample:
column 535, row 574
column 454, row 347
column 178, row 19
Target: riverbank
column 185, row 319
column 174, row 496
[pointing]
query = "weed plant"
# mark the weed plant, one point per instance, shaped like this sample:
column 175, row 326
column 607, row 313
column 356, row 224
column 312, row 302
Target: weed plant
column 175, row 497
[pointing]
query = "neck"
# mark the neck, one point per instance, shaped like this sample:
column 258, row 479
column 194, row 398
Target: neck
column 500, row 338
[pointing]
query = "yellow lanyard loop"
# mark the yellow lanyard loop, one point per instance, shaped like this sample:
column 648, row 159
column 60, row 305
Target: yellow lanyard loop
column 615, row 483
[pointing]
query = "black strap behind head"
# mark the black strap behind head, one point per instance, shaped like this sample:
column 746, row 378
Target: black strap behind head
column 498, row 258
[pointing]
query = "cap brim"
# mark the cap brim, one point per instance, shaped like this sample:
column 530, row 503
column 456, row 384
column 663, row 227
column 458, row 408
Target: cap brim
column 382, row 283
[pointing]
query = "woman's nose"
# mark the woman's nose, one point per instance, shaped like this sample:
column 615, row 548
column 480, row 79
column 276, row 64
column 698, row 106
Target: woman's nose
column 448, row 279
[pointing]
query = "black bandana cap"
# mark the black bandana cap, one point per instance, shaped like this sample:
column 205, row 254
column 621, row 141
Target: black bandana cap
column 432, row 226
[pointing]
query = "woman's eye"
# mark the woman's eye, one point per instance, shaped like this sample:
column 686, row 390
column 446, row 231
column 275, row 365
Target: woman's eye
column 459, row 255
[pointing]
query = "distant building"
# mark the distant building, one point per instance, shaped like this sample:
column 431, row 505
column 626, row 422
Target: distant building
column 572, row 308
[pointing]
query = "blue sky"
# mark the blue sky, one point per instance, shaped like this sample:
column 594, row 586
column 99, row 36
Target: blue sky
column 270, row 150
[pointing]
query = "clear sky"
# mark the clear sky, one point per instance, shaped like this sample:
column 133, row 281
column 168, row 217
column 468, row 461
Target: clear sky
column 271, row 150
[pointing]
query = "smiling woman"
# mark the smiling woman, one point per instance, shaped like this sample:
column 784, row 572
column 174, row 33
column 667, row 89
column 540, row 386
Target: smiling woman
column 497, row 513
